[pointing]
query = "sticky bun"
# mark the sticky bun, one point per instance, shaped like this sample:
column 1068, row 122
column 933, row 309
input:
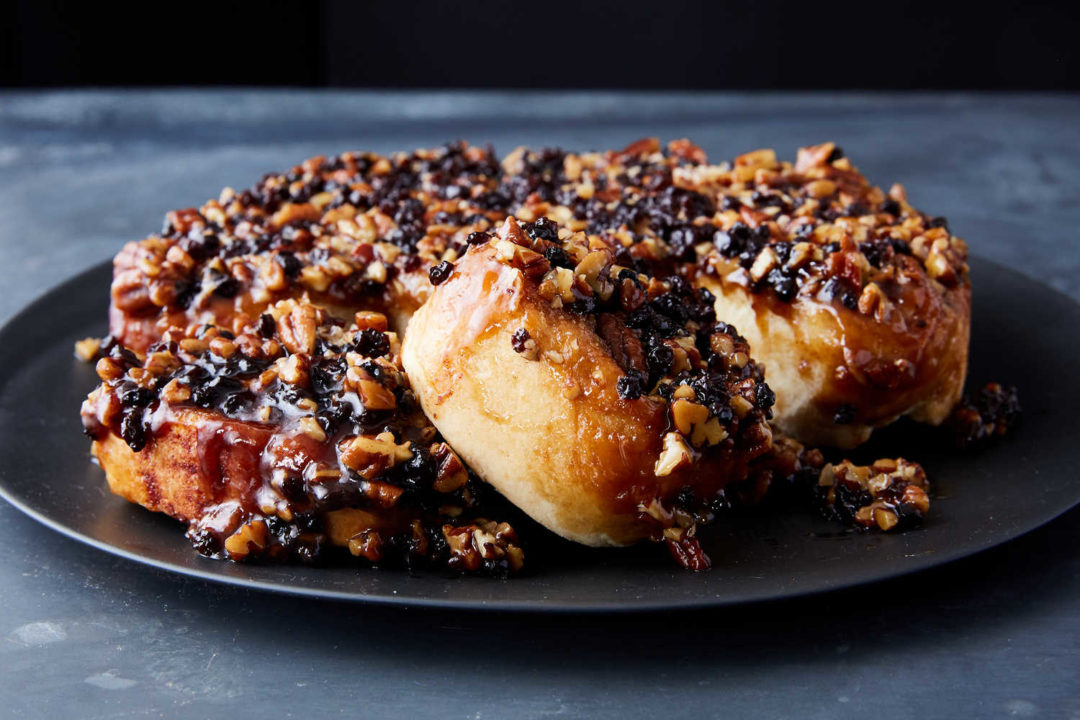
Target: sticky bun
column 621, row 343
column 298, row 434
column 609, row 405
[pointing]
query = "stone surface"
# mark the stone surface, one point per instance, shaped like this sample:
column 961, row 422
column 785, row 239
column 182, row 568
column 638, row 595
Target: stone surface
column 83, row 634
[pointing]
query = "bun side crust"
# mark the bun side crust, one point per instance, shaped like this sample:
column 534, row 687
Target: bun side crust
column 551, row 434
column 198, row 462
column 276, row 443
column 839, row 374
column 193, row 461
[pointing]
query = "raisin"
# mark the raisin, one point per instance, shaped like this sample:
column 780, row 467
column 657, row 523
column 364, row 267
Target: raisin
column 543, row 229
column 939, row 222
column 371, row 343
column 557, row 257
column 133, row 431
column 137, row 397
column 518, row 340
column 227, row 288
column 630, row 385
column 289, row 264
column 439, row 273
column 267, row 325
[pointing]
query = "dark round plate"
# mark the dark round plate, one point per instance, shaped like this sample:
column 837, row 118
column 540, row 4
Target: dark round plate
column 1022, row 334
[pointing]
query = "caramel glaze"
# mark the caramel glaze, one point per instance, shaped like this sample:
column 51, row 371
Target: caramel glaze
column 553, row 434
column 216, row 474
column 909, row 360
column 137, row 322
column 879, row 291
column 277, row 445
column 358, row 231
column 361, row 231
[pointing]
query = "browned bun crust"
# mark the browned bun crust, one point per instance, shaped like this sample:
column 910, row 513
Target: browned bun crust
column 858, row 305
column 556, row 440
column 184, row 470
column 839, row 373
column 550, row 432
column 187, row 471
column 357, row 231
column 198, row 461
column 298, row 434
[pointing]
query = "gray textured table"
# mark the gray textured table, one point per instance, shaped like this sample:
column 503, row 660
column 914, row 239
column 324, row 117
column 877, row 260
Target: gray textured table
column 85, row 635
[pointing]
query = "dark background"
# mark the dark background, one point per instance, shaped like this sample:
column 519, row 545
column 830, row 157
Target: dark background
column 678, row 44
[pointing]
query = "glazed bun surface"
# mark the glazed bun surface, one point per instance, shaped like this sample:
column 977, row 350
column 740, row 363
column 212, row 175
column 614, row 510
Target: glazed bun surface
column 856, row 303
column 839, row 374
column 546, row 390
column 860, row 302
column 283, row 441
column 354, row 232
column 858, row 306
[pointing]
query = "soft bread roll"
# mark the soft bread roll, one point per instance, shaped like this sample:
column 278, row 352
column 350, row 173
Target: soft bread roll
column 179, row 474
column 860, row 316
column 354, row 232
column 856, row 303
column 538, row 378
column 838, row 374
column 276, row 443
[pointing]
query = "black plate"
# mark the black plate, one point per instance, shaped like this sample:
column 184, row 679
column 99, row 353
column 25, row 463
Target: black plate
column 1022, row 334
